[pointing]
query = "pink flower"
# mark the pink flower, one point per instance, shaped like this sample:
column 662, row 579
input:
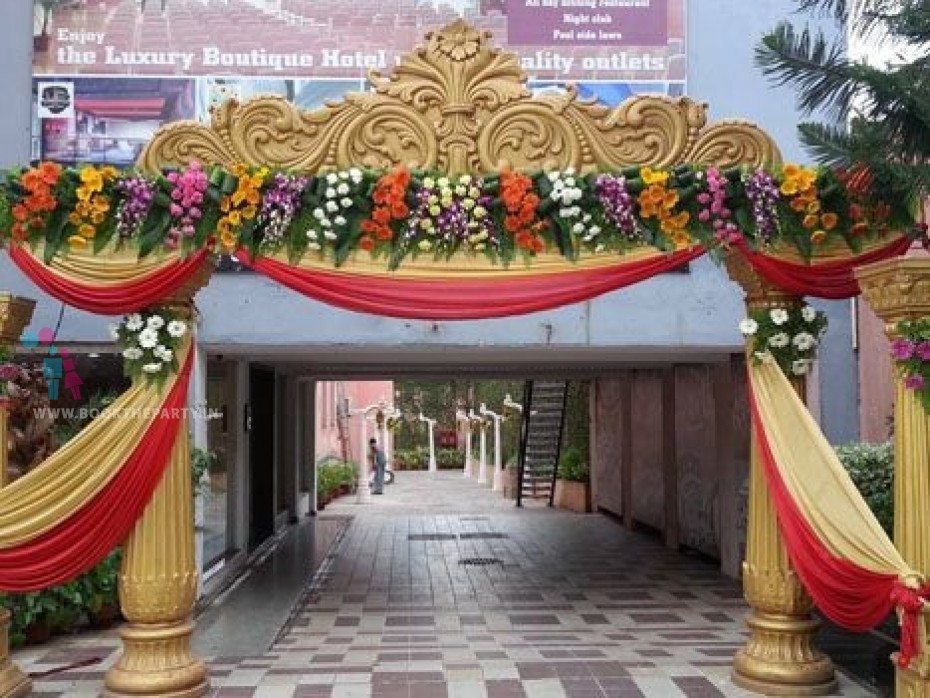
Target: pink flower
column 8, row 372
column 923, row 351
column 703, row 198
column 176, row 211
column 914, row 382
column 704, row 216
column 902, row 349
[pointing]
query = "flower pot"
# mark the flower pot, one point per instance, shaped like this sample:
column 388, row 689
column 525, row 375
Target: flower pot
column 38, row 632
column 104, row 617
column 574, row 496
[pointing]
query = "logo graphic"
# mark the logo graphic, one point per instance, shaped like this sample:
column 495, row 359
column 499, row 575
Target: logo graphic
column 56, row 100
column 57, row 367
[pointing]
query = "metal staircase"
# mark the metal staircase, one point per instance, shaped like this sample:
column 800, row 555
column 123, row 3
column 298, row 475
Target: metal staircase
column 541, row 439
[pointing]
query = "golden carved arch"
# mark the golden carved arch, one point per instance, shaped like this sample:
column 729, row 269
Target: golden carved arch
column 460, row 104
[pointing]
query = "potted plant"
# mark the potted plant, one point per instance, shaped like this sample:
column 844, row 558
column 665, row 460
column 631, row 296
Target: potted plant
column 572, row 487
column 68, row 607
column 31, row 617
column 101, row 597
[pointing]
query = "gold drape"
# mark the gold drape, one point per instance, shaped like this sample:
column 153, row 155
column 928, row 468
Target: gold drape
column 73, row 475
column 817, row 481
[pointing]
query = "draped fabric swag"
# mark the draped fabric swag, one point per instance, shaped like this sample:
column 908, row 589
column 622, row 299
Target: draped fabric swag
column 841, row 553
column 63, row 517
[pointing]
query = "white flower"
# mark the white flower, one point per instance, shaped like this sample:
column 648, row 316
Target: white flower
column 748, row 327
column 600, row 247
column 429, row 183
column 566, row 212
column 332, row 206
column 343, row 174
column 553, row 176
column 346, row 202
column 148, row 338
column 330, row 193
column 434, row 210
column 569, row 171
column 314, row 246
column 152, row 368
column 329, row 235
column 465, row 179
column 569, row 181
column 176, row 328
column 578, row 228
column 808, row 313
column 779, row 340
column 443, row 182
column 425, row 245
column 165, row 355
column 426, row 224
column 156, row 322
column 332, row 178
column 461, row 190
column 319, row 214
column 114, row 332
column 804, row 341
column 586, row 217
column 779, row 316
column 474, row 192
column 480, row 212
column 339, row 220
column 800, row 367
column 595, row 230
column 326, row 223
column 132, row 353
column 312, row 234
column 343, row 188
column 134, row 322
column 355, row 174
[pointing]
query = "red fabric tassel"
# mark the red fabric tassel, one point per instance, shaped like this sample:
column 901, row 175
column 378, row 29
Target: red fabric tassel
column 833, row 280
column 463, row 299
column 80, row 542
column 910, row 601
column 141, row 292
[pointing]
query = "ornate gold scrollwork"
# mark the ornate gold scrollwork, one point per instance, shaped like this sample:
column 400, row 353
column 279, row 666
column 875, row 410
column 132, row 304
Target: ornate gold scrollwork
column 460, row 104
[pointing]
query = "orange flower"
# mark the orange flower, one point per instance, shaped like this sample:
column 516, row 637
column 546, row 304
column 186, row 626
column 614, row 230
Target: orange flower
column 381, row 215
column 366, row 243
column 818, row 236
column 811, row 221
column 49, row 172
column 829, row 220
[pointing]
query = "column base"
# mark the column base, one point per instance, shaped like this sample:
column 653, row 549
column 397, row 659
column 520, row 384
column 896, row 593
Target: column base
column 157, row 660
column 13, row 682
column 780, row 660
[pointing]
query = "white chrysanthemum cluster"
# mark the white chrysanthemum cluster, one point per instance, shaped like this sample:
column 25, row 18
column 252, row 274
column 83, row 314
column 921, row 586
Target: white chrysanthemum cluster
column 792, row 343
column 566, row 193
column 149, row 341
column 339, row 196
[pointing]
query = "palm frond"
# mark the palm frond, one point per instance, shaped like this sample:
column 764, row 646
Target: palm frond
column 827, row 143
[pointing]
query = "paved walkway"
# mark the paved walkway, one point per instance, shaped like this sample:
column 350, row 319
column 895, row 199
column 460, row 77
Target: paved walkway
column 440, row 588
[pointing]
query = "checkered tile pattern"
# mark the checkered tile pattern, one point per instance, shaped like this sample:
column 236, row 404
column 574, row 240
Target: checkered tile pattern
column 574, row 606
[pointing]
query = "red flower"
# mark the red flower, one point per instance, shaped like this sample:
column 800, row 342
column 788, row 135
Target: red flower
column 366, row 243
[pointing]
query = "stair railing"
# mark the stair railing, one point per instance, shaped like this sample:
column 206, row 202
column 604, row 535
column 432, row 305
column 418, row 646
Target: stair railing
column 524, row 433
column 558, row 443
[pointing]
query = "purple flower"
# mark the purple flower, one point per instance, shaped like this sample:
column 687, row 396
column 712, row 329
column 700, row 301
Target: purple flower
column 763, row 196
column 138, row 195
column 914, row 382
column 923, row 351
column 8, row 372
column 903, row 349
column 617, row 204
column 279, row 204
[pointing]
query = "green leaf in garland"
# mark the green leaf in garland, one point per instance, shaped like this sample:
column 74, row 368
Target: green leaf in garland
column 154, row 231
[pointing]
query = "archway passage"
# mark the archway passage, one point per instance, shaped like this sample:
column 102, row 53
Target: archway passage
column 426, row 199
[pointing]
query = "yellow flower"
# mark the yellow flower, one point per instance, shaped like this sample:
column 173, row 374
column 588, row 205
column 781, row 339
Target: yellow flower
column 97, row 217
column 253, row 197
column 100, row 204
column 670, row 199
column 225, row 204
column 818, row 236
column 74, row 218
column 235, row 217
column 806, row 178
column 87, row 230
column 249, row 212
column 228, row 240
column 238, row 197
column 789, row 187
column 681, row 238
column 813, row 207
column 791, row 171
column 109, row 172
column 77, row 241
column 83, row 193
column 651, row 176
column 91, row 178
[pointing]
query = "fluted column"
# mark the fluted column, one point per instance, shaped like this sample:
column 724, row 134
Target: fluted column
column 15, row 315
column 899, row 289
column 779, row 657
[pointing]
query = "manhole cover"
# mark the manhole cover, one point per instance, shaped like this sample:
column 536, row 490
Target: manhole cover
column 479, row 561
column 431, row 536
column 482, row 536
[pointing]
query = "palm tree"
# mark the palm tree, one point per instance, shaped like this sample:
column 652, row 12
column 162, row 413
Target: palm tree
column 873, row 116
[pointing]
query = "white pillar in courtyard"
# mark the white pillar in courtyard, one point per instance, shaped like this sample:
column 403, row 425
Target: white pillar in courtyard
column 363, row 488
column 483, row 449
column 461, row 416
column 430, row 425
column 498, row 477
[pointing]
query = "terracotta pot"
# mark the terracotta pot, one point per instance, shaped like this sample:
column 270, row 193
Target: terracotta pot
column 574, row 496
column 38, row 632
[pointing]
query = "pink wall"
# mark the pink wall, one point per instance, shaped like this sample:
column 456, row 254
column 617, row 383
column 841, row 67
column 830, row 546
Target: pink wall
column 360, row 394
column 876, row 389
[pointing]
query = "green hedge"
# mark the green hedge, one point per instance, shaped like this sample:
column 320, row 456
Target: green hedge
column 871, row 467
column 334, row 476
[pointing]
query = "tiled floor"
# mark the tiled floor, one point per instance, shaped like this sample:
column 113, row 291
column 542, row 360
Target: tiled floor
column 565, row 605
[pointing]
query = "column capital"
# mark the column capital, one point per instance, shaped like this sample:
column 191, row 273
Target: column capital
column 761, row 294
column 897, row 289
column 15, row 316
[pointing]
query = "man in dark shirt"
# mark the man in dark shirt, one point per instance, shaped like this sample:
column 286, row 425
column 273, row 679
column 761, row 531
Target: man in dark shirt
column 379, row 463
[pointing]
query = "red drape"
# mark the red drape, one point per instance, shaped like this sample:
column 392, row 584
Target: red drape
column 134, row 295
column 464, row 299
column 853, row 597
column 834, row 280
column 77, row 544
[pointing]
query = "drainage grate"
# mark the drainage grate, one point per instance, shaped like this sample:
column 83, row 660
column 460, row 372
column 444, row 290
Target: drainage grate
column 431, row 536
column 482, row 536
column 480, row 561
column 473, row 518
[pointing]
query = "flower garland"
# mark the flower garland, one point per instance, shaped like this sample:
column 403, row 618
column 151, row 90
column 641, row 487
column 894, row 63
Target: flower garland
column 789, row 335
column 149, row 342
column 402, row 213
column 520, row 206
column 8, row 372
column 911, row 353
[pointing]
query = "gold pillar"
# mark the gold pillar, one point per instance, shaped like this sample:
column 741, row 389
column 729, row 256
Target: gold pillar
column 15, row 315
column 158, row 589
column 779, row 657
column 899, row 289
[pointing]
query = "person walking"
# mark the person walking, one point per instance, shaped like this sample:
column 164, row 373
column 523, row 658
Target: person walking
column 378, row 463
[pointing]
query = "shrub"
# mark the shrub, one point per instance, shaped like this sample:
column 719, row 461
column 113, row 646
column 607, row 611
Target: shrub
column 573, row 466
column 871, row 467
column 332, row 476
column 450, row 459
